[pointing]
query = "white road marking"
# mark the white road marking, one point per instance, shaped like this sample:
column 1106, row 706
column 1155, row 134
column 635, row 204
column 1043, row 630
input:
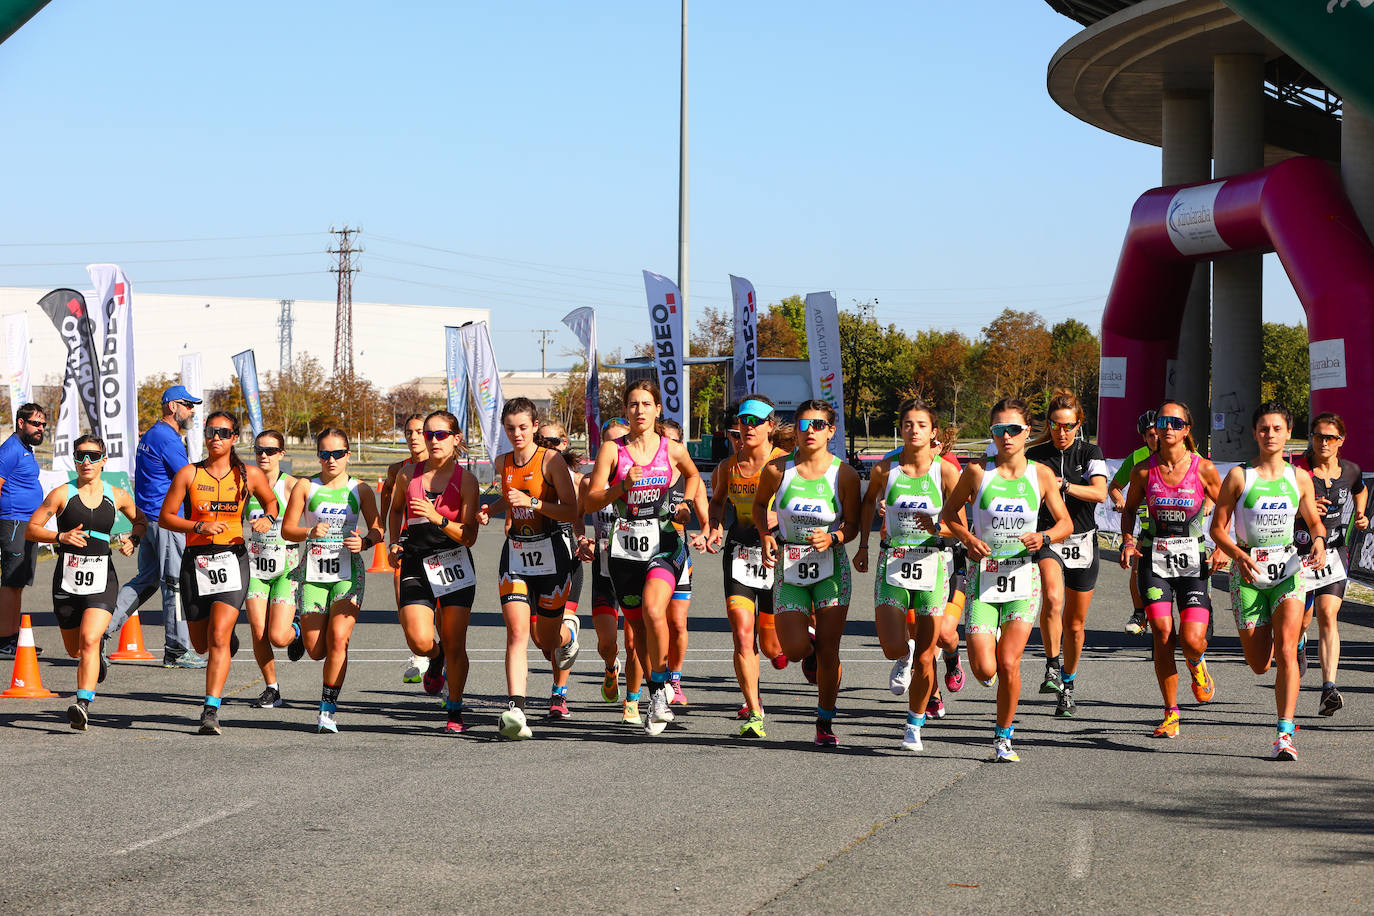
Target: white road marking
column 186, row 828
column 1081, row 851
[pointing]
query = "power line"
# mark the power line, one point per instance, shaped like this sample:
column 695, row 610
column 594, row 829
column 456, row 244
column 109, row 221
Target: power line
column 212, row 238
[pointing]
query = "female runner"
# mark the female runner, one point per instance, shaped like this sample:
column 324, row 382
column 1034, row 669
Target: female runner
column 536, row 565
column 1341, row 496
column 418, row 665
column 1068, row 571
column 646, row 552
column 554, row 436
column 817, row 505
column 911, row 576
column 748, row 582
column 1005, row 582
column 682, row 504
column 1266, row 583
column 1174, row 485
column 433, row 523
column 272, row 580
column 324, row 511
column 214, row 567
column 84, row 585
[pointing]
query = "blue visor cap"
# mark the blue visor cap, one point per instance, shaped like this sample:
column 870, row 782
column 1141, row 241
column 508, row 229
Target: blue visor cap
column 753, row 408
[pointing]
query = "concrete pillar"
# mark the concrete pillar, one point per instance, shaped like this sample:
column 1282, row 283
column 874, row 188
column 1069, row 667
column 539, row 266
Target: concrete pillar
column 1357, row 163
column 1237, row 280
column 1187, row 158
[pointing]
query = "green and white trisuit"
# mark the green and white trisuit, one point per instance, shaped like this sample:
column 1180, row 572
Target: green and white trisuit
column 330, row 572
column 809, row 579
column 1005, row 586
column 1263, row 522
column 912, row 572
column 272, row 560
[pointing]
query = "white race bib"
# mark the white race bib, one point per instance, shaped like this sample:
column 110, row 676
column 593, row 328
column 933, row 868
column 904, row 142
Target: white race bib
column 634, row 539
column 449, row 571
column 1003, row 580
column 1332, row 571
column 266, row 561
column 803, row 564
column 1275, row 564
column 217, row 573
column 746, row 567
column 83, row 575
column 326, row 561
column 1076, row 550
column 913, row 568
column 532, row 558
column 1176, row 558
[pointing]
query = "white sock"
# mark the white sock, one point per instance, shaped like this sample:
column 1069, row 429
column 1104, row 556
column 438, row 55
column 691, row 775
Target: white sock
column 273, row 686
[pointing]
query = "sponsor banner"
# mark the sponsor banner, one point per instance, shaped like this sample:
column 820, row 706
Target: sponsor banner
column 80, row 384
column 1326, row 363
column 582, row 322
column 1192, row 220
column 246, row 368
column 456, row 377
column 823, row 342
column 118, row 385
column 485, row 380
column 744, row 379
column 17, row 352
column 192, row 378
column 1111, row 377
column 665, row 335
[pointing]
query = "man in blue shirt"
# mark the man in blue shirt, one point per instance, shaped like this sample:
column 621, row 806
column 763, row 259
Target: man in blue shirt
column 161, row 453
column 20, row 497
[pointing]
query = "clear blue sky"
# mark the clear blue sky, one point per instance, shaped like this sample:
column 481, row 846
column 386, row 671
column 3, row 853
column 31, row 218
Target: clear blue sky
column 903, row 151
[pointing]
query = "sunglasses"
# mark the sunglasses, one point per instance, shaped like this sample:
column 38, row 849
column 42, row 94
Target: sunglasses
column 1170, row 423
column 187, row 404
column 614, row 421
column 437, row 435
column 266, row 450
column 334, row 454
column 1322, row 437
column 549, row 441
column 39, row 424
column 732, row 433
column 1063, row 427
column 219, row 432
column 748, row 419
column 813, row 423
column 88, row 457
column 1008, row 429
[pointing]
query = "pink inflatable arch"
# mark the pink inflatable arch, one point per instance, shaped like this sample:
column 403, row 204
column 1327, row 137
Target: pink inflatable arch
column 1296, row 209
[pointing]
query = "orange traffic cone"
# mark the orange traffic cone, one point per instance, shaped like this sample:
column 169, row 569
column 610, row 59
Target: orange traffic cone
column 131, row 648
column 380, row 563
column 27, row 683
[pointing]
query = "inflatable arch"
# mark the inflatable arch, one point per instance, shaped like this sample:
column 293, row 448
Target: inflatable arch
column 1296, row 209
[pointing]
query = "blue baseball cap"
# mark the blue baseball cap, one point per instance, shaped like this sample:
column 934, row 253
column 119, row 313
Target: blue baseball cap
column 179, row 393
column 752, row 407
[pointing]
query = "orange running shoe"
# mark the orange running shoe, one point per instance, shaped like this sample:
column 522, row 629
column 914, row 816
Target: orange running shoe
column 1204, row 688
column 1169, row 727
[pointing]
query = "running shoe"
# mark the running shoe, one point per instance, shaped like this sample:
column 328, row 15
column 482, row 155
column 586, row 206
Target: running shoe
column 104, row 666
column 78, row 714
column 270, row 698
column 659, row 713
column 433, row 680
column 513, row 725
column 743, row 712
column 1302, row 656
column 564, row 656
column 911, row 738
column 990, row 682
column 1054, row 680
column 899, row 678
column 324, row 722
column 753, row 728
column 558, row 707
column 779, row 661
column 10, row 647
column 1204, row 688
column 1169, row 727
column 415, row 669
column 1283, row 748
column 209, row 720
column 631, row 716
column 1002, row 751
column 825, row 734
column 677, row 698
column 295, row 649
column 455, row 725
column 610, row 683
column 1136, row 625
column 187, row 659
column 1330, row 702
column 233, row 642
column 954, row 677
column 1065, row 707
column 935, row 709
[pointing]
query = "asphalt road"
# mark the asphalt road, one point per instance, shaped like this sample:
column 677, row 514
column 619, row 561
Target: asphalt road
column 592, row 816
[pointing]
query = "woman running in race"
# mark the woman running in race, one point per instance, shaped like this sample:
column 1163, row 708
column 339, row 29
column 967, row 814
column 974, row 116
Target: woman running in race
column 415, row 441
column 272, row 580
column 682, row 505
column 214, row 567
column 1005, row 583
column 647, row 555
column 536, row 565
column 1174, row 486
column 84, row 584
column 554, row 436
column 433, row 523
column 911, row 576
column 1068, row 570
column 336, row 516
column 816, row 498
column 1116, row 492
column 1266, row 582
column 1341, row 498
column 748, row 582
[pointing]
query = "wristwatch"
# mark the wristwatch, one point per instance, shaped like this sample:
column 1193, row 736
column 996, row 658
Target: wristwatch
column 443, row 522
column 535, row 503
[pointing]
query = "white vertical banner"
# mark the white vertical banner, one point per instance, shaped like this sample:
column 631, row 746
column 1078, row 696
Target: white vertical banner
column 114, row 330
column 744, row 378
column 485, row 380
column 582, row 322
column 192, row 380
column 823, row 342
column 665, row 336
column 17, row 352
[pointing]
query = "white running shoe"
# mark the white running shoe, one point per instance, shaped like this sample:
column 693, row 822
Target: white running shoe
column 900, row 677
column 911, row 741
column 564, row 656
column 326, row 723
column 415, row 669
column 659, row 713
column 514, row 726
column 1283, row 748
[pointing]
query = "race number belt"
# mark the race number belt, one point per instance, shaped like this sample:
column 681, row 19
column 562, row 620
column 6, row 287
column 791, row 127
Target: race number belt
column 746, row 567
column 803, row 564
column 1330, row 572
column 325, row 562
column 533, row 557
column 218, row 573
column 1176, row 558
column 634, row 539
column 1275, row 564
column 84, row 575
column 266, row 560
column 1005, row 579
column 1076, row 551
column 913, row 568
column 449, row 570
